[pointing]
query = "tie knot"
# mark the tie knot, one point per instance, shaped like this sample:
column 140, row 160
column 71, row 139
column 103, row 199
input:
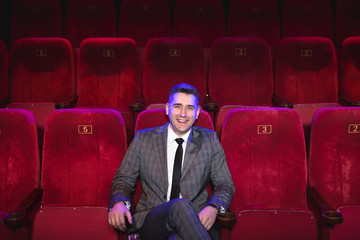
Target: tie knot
column 179, row 140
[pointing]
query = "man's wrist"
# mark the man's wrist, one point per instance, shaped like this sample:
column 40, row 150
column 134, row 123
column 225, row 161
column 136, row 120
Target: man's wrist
column 127, row 204
column 220, row 210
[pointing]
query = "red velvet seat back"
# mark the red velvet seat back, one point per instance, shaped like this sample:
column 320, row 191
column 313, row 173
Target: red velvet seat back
column 240, row 72
column 305, row 70
column 201, row 19
column 334, row 168
column 89, row 18
column 42, row 70
column 82, row 151
column 170, row 61
column 347, row 20
column 307, row 18
column 4, row 78
column 265, row 151
column 144, row 19
column 349, row 77
column 256, row 18
column 35, row 18
column 108, row 73
column 19, row 157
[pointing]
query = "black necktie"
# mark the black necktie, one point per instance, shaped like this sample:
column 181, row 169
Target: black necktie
column 175, row 188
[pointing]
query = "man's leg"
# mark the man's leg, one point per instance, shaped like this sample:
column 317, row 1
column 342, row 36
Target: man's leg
column 174, row 217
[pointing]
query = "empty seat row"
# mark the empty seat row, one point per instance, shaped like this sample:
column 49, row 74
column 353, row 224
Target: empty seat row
column 265, row 151
column 202, row 19
column 241, row 73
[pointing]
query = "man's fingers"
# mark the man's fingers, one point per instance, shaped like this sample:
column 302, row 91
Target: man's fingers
column 128, row 216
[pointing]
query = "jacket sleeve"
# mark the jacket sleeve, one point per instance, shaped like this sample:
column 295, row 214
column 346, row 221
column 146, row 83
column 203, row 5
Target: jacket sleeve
column 220, row 176
column 125, row 178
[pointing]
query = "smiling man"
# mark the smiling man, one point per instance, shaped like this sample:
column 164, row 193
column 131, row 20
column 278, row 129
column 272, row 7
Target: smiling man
column 175, row 163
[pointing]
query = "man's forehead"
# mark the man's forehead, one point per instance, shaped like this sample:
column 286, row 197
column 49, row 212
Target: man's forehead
column 183, row 99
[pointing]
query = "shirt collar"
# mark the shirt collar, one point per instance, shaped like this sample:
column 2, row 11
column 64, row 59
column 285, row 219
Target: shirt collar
column 172, row 135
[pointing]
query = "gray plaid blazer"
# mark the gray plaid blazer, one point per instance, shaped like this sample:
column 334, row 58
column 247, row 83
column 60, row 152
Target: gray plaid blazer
column 204, row 162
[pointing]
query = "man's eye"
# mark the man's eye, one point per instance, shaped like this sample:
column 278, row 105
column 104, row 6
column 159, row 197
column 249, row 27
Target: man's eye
column 190, row 108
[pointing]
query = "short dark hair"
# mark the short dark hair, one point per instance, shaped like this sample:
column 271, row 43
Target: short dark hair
column 184, row 88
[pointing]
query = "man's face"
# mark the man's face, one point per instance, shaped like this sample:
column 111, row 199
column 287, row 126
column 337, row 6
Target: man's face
column 182, row 112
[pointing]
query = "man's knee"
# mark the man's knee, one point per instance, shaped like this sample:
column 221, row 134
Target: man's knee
column 182, row 204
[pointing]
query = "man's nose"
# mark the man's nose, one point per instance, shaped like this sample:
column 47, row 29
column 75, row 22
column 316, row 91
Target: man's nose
column 183, row 112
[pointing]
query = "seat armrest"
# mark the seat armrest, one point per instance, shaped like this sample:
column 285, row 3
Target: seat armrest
column 278, row 103
column 346, row 102
column 227, row 221
column 67, row 104
column 329, row 215
column 4, row 102
column 210, row 105
column 16, row 218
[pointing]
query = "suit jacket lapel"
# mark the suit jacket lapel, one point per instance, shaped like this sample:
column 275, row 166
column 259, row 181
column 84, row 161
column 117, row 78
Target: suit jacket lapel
column 160, row 141
column 191, row 151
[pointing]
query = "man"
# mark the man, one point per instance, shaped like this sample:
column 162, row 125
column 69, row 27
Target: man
column 172, row 203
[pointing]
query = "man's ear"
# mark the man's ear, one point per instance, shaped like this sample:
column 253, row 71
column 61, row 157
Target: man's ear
column 167, row 108
column 197, row 113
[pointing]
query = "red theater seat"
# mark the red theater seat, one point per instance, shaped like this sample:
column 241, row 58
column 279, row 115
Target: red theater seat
column 307, row 18
column 305, row 75
column 256, row 18
column 201, row 19
column 4, row 74
column 170, row 61
column 108, row 76
column 82, row 150
column 42, row 76
column 334, row 171
column 349, row 77
column 19, row 173
column 347, row 20
column 144, row 19
column 265, row 151
column 89, row 18
column 240, row 75
column 35, row 18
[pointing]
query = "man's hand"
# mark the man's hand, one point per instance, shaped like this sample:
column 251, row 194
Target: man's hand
column 207, row 217
column 117, row 215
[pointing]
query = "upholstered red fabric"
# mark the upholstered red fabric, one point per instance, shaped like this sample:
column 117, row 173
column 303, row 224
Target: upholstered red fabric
column 73, row 223
column 333, row 159
column 108, row 76
column 4, row 78
column 307, row 18
column 144, row 19
column 35, row 18
column 82, row 151
column 347, row 20
column 42, row 70
column 349, row 76
column 89, row 18
column 19, row 156
column 256, row 18
column 305, row 70
column 201, row 19
column 265, row 151
column 170, row 61
column 19, row 166
column 240, row 72
column 334, row 168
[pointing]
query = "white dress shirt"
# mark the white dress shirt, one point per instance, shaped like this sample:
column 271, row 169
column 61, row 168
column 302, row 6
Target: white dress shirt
column 172, row 146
